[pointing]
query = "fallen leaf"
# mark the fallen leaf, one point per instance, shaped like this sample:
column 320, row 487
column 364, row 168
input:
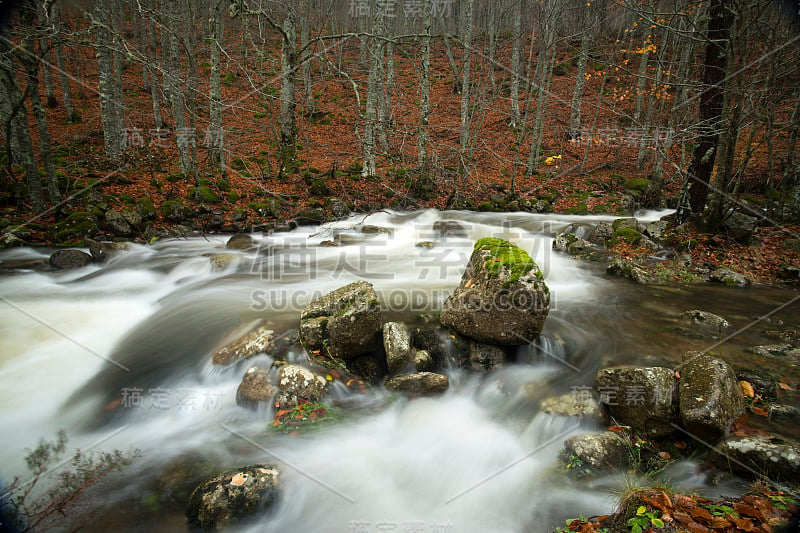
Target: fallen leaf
column 747, row 389
column 784, row 386
column 664, row 455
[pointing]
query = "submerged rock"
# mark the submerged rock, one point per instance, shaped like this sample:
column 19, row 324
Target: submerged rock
column 705, row 319
column 69, row 259
column 502, row 298
column 256, row 388
column 710, row 396
column 420, row 384
column 256, row 337
column 297, row 384
column 756, row 455
column 342, row 324
column 626, row 268
column 485, row 357
column 644, row 398
column 233, row 495
column 571, row 404
column 102, row 251
column 240, row 241
column 449, row 228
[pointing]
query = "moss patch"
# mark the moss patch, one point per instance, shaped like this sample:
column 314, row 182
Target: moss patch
column 504, row 255
column 629, row 235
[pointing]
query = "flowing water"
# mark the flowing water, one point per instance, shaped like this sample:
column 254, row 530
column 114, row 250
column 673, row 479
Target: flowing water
column 119, row 355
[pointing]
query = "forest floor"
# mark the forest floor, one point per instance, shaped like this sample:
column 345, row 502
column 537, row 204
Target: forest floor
column 597, row 174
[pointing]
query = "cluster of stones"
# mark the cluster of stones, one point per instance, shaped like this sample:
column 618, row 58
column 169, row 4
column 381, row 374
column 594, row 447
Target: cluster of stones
column 501, row 302
column 699, row 402
column 592, row 242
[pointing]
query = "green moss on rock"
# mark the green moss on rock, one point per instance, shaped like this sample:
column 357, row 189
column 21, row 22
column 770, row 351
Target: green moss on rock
column 629, row 235
column 503, row 255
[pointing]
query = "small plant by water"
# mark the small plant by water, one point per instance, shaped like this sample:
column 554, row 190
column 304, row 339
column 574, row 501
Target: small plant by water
column 304, row 417
column 27, row 505
column 644, row 520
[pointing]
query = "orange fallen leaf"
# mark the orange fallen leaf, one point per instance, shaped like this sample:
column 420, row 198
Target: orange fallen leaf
column 747, row 389
column 784, row 386
column 664, row 455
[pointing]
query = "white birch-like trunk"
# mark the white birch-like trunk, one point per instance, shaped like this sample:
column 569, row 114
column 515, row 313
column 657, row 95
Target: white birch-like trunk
column 516, row 63
column 425, row 88
column 464, row 132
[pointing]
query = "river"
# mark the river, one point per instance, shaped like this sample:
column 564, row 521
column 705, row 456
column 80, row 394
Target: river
column 118, row 355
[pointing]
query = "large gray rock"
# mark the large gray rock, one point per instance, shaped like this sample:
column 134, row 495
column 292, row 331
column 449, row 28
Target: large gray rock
column 502, row 298
column 729, row 277
column 420, row 384
column 102, row 251
column 601, row 233
column 655, row 230
column 233, row 495
column 240, row 241
column 756, row 455
column 252, row 339
column 644, row 398
column 68, row 259
column 296, row 385
column 710, row 396
column 597, row 451
column 256, row 388
column 117, row 223
column 739, row 227
column 397, row 344
column 342, row 324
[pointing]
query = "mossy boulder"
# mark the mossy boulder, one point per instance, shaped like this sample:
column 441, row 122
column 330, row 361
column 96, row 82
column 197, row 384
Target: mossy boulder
column 637, row 184
column 626, row 234
column 175, row 211
column 233, row 495
column 342, row 324
column 502, row 298
column 319, row 188
column 710, row 396
column 77, row 226
column 205, row 195
column 146, row 209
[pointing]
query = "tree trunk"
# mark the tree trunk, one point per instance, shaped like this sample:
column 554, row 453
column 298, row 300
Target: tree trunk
column 191, row 44
column 464, row 135
column 385, row 108
column 29, row 59
column 425, row 87
column 544, row 69
column 155, row 90
column 109, row 104
column 214, row 136
column 589, row 26
column 698, row 175
column 369, row 167
column 172, row 80
column 15, row 119
column 66, row 91
column 516, row 63
column 288, row 140
column 305, row 37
